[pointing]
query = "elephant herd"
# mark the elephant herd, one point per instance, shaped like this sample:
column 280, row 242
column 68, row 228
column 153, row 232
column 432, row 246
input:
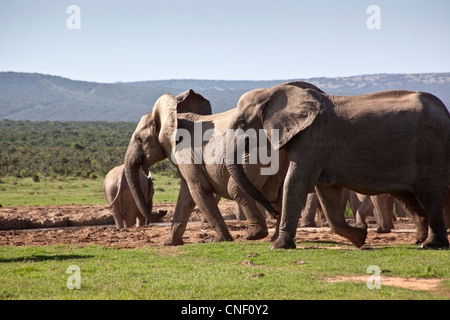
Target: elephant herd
column 284, row 144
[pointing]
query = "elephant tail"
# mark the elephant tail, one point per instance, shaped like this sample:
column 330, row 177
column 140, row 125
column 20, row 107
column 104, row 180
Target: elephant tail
column 110, row 205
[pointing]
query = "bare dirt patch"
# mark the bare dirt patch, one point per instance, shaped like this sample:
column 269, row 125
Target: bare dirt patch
column 83, row 225
column 421, row 284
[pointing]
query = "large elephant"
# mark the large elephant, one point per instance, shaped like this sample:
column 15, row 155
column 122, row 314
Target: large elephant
column 395, row 142
column 168, row 132
column 120, row 200
column 447, row 209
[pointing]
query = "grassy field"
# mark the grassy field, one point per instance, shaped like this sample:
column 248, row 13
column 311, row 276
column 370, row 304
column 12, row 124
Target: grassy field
column 214, row 271
column 74, row 190
column 240, row 270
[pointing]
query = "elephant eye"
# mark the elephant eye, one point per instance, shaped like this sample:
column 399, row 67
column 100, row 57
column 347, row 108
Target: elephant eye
column 139, row 139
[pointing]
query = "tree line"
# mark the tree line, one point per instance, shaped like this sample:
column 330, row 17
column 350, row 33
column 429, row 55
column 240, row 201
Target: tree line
column 84, row 149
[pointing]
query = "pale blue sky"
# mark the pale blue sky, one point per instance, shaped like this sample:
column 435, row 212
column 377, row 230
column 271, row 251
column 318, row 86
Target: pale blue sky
column 233, row 39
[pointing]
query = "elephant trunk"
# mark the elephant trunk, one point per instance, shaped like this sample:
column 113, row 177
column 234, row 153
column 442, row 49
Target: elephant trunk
column 131, row 168
column 238, row 174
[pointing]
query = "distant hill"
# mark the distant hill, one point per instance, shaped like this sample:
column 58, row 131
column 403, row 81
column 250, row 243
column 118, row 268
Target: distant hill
column 39, row 97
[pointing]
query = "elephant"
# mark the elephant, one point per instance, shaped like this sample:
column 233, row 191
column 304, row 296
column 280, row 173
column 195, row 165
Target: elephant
column 447, row 209
column 170, row 131
column 395, row 142
column 362, row 206
column 312, row 207
column 120, row 201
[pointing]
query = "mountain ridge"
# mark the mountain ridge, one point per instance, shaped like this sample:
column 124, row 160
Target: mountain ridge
column 40, row 97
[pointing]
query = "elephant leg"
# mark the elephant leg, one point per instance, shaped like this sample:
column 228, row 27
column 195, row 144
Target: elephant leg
column 129, row 218
column 141, row 221
column 262, row 210
column 418, row 212
column 354, row 203
column 334, row 208
column 118, row 219
column 391, row 212
column 321, row 215
column 384, row 207
column 257, row 227
column 278, row 206
column 437, row 235
column 240, row 216
column 185, row 205
column 399, row 210
column 309, row 213
column 295, row 192
column 363, row 211
column 217, row 199
column 207, row 204
column 447, row 210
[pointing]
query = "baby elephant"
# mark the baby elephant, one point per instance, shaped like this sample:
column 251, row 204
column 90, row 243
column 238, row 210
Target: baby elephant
column 121, row 202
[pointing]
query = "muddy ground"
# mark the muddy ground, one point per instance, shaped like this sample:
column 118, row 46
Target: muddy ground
column 82, row 225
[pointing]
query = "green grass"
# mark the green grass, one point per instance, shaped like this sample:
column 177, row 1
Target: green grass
column 73, row 190
column 246, row 270
column 167, row 186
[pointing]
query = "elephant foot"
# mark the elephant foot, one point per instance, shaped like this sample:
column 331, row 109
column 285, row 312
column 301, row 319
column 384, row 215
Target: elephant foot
column 421, row 236
column 357, row 236
column 435, row 243
column 222, row 238
column 169, row 241
column 256, row 233
column 283, row 243
column 381, row 230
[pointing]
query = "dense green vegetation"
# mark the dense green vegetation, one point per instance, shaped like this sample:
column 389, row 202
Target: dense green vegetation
column 51, row 149
column 244, row 270
column 65, row 162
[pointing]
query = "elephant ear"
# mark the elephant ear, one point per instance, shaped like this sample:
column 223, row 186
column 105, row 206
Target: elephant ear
column 190, row 101
column 289, row 109
column 165, row 116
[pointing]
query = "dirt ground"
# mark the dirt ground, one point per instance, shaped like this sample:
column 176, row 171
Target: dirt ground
column 82, row 225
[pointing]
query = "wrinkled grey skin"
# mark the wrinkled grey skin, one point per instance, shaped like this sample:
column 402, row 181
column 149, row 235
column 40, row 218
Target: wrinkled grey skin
column 153, row 141
column 120, row 200
column 447, row 209
column 364, row 205
column 395, row 142
column 312, row 207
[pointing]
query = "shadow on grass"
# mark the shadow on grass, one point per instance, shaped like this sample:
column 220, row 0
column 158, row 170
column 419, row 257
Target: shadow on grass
column 39, row 258
column 333, row 245
column 321, row 244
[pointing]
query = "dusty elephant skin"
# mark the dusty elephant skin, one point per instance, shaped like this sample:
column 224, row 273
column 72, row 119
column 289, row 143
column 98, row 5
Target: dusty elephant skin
column 395, row 142
column 153, row 141
column 121, row 202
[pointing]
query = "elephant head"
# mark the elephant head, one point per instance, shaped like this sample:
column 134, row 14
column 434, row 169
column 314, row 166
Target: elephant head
column 283, row 111
column 151, row 141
